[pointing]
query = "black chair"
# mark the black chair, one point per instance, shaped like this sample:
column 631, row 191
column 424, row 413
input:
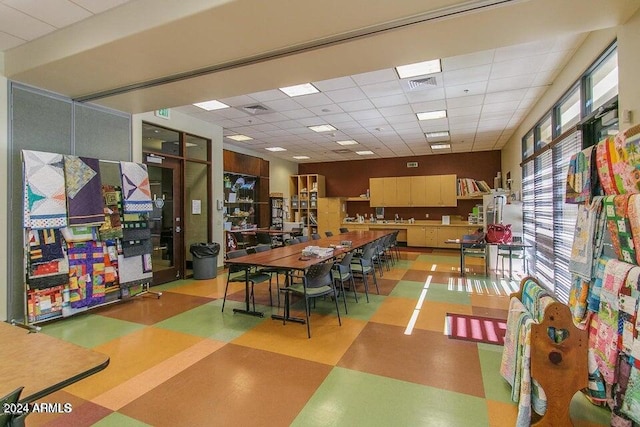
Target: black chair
column 316, row 282
column 315, row 236
column 343, row 230
column 240, row 273
column 328, row 233
column 264, row 238
column 303, row 239
column 291, row 241
column 472, row 246
column 6, row 417
column 296, row 232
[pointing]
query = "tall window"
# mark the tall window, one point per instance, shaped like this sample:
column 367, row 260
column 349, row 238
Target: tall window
column 549, row 222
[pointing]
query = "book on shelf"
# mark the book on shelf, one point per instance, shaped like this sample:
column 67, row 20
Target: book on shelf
column 471, row 187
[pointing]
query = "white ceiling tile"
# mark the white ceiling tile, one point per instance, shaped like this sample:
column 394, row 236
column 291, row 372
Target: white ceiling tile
column 511, row 83
column 373, row 123
column 425, row 95
column 313, row 100
column 288, row 124
column 312, row 121
column 298, row 114
column 544, row 78
column 334, row 119
column 470, row 89
column 273, row 117
column 21, row 25
column 404, row 118
column 396, row 110
column 335, row 84
column 58, row 13
column 517, row 67
column 375, row 76
column 349, row 125
column 238, row 101
column 508, row 95
column 346, row 95
column 389, row 101
column 492, row 124
column 524, row 50
column 7, row 41
column 465, row 101
column 269, row 95
column 414, row 126
column 474, row 110
column 465, row 76
column 422, row 107
column 228, row 123
column 494, row 115
column 468, row 60
column 365, row 114
column 464, row 122
column 556, row 60
column 98, row 6
column 434, row 125
column 232, row 113
column 265, row 127
column 326, row 110
column 502, row 107
column 362, row 104
column 387, row 88
column 280, row 105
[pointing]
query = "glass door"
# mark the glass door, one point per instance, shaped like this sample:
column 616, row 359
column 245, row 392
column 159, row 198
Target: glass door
column 166, row 219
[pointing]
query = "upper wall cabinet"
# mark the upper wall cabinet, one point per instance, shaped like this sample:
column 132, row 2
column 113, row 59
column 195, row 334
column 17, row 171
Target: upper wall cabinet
column 413, row 191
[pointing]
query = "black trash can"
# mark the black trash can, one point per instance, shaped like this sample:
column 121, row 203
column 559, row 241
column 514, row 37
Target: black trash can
column 205, row 260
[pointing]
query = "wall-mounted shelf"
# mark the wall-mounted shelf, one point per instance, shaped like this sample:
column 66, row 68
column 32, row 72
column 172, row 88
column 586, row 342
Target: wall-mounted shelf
column 357, row 199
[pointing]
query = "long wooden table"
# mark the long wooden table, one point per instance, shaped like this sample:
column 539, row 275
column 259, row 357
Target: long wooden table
column 42, row 364
column 289, row 257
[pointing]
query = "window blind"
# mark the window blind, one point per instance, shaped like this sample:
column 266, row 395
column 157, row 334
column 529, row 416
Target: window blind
column 564, row 214
column 543, row 200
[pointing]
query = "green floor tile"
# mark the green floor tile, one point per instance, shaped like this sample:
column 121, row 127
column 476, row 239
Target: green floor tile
column 439, row 259
column 362, row 310
column 90, row 330
column 495, row 387
column 582, row 409
column 172, row 285
column 441, row 293
column 352, row 398
column 210, row 322
column 118, row 420
column 407, row 289
column 403, row 264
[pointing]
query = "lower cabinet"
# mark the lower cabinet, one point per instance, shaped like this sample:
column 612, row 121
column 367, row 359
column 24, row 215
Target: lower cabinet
column 432, row 236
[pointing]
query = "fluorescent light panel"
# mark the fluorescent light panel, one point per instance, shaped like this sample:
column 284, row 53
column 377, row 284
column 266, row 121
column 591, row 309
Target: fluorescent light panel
column 322, row 128
column 431, row 115
column 276, row 149
column 347, row 142
column 298, row 90
column 301, row 157
column 240, row 137
column 441, row 134
column 211, row 105
column 364, row 153
column 419, row 69
column 440, row 146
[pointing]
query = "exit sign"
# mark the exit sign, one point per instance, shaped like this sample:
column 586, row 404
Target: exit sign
column 412, row 164
column 162, row 113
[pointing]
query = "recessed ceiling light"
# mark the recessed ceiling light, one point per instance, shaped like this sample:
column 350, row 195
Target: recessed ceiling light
column 240, row 137
column 322, row 128
column 441, row 134
column 347, row 142
column 430, row 115
column 276, row 149
column 297, row 90
column 419, row 69
column 364, row 153
column 443, row 146
column 301, row 157
column 211, row 105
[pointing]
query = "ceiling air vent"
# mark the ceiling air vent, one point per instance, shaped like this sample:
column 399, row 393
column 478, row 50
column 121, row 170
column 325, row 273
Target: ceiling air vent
column 415, row 84
column 341, row 151
column 255, row 109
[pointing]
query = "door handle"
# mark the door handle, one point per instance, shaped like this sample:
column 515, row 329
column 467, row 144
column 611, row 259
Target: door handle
column 178, row 229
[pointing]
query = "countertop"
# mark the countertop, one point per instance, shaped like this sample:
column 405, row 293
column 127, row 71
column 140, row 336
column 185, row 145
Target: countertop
column 423, row 223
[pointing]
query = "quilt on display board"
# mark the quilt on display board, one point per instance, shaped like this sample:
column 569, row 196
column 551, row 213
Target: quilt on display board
column 112, row 226
column 627, row 169
column 582, row 178
column 47, row 262
column 587, row 241
column 616, row 208
column 633, row 213
column 136, row 192
column 86, row 274
column 84, row 190
column 44, row 190
column 79, row 234
column 44, row 304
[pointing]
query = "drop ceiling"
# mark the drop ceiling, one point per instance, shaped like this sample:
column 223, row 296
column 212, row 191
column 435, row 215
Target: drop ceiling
column 498, row 58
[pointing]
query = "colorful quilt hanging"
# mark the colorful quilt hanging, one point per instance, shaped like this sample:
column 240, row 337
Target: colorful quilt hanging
column 620, row 227
column 84, row 190
column 582, row 177
column 86, row 274
column 44, row 190
column 112, row 226
column 136, row 192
